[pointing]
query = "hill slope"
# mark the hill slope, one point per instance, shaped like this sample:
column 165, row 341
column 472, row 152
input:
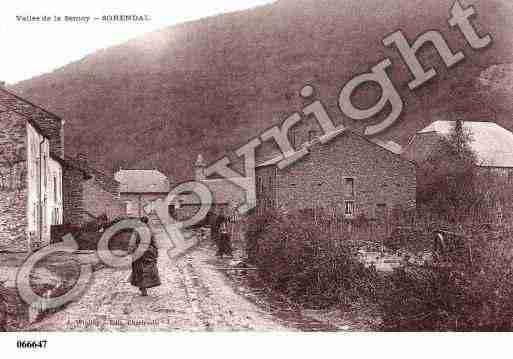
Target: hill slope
column 209, row 85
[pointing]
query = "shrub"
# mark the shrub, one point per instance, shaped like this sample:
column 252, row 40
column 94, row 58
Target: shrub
column 302, row 260
column 454, row 295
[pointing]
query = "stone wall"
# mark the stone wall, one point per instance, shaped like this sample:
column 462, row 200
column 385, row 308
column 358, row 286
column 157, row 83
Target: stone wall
column 89, row 195
column 13, row 221
column 381, row 179
column 72, row 195
column 13, row 183
column 52, row 128
column 266, row 188
column 98, row 201
column 422, row 146
column 106, row 182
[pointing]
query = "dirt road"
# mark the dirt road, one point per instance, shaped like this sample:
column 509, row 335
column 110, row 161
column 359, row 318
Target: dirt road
column 194, row 296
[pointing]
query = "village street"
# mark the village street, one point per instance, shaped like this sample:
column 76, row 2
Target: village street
column 193, row 296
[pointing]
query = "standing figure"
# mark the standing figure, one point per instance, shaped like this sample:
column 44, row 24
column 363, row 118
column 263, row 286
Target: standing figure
column 144, row 270
column 214, row 224
column 224, row 245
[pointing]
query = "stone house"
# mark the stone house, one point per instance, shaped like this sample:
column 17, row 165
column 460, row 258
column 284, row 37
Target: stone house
column 31, row 150
column 39, row 186
column 349, row 174
column 226, row 196
column 141, row 187
column 88, row 192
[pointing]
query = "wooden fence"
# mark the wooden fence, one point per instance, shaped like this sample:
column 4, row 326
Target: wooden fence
column 412, row 229
column 420, row 220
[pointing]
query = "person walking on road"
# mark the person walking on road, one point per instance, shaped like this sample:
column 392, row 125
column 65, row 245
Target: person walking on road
column 145, row 273
column 223, row 240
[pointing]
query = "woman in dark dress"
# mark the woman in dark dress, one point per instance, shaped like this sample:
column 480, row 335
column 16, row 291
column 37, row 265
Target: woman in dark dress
column 223, row 237
column 144, row 270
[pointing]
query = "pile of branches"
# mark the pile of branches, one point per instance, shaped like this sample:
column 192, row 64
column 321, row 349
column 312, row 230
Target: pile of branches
column 89, row 234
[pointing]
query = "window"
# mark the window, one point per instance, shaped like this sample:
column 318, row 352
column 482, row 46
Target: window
column 349, row 187
column 307, row 212
column 312, row 134
column 349, row 209
column 35, row 219
column 37, row 167
column 131, row 208
column 259, row 185
column 292, row 133
column 37, row 216
column 45, row 171
column 381, row 211
column 172, row 211
column 44, row 214
column 33, row 169
column 55, row 189
column 55, row 216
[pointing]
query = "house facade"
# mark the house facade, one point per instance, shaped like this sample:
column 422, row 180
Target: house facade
column 31, row 197
column 349, row 174
column 45, row 192
column 141, row 187
column 226, row 195
column 39, row 186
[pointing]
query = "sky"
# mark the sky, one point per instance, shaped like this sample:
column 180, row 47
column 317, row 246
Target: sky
column 31, row 48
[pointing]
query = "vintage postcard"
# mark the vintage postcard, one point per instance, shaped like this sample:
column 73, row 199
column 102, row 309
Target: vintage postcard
column 262, row 166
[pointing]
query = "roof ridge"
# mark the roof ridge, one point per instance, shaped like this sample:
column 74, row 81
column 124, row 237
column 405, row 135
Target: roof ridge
column 18, row 97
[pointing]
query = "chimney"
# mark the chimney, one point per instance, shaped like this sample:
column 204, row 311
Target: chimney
column 199, row 168
column 82, row 160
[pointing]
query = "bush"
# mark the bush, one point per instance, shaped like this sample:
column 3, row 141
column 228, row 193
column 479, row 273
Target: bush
column 302, row 260
column 454, row 295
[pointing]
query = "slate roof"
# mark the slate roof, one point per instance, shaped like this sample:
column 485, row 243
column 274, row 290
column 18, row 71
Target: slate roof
column 32, row 113
column 389, row 146
column 142, row 181
column 288, row 156
column 24, row 107
column 223, row 192
column 103, row 179
column 492, row 144
column 68, row 162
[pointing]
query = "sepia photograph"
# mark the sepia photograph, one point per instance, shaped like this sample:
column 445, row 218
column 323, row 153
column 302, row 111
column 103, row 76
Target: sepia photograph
column 255, row 167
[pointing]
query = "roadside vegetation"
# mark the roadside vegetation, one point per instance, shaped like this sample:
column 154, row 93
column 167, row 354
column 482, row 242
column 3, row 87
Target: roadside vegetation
column 300, row 259
column 465, row 284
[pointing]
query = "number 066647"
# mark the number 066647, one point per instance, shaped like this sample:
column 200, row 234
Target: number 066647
column 31, row 344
